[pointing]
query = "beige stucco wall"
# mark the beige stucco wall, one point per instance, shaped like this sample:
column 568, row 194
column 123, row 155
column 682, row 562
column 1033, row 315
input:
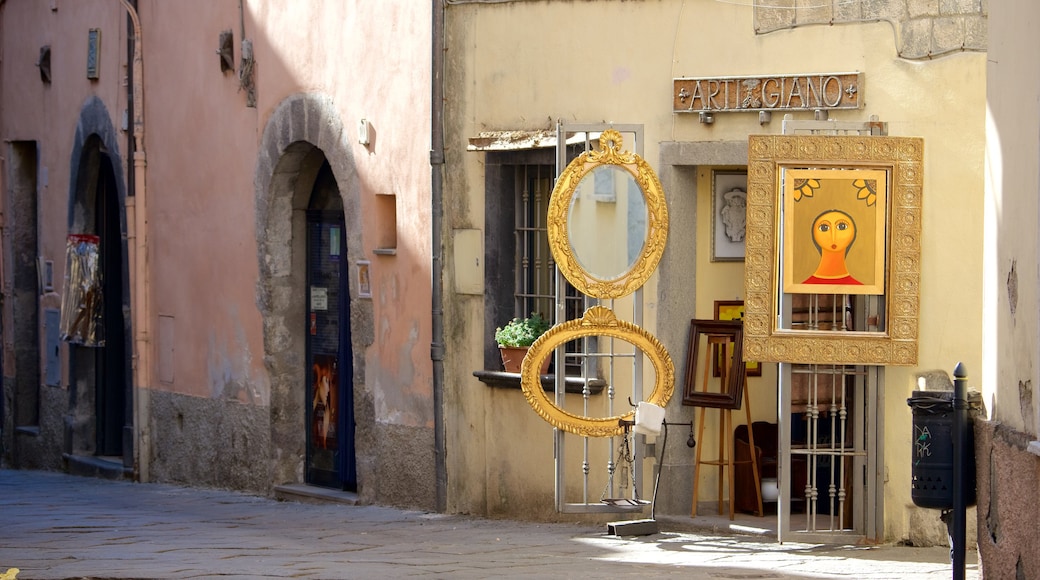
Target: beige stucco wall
column 614, row 62
column 1009, row 454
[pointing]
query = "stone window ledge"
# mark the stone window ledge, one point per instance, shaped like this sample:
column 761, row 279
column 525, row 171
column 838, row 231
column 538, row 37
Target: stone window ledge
column 512, row 381
column 1034, row 447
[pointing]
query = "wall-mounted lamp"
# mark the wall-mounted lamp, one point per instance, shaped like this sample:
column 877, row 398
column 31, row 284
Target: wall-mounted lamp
column 764, row 117
column 246, row 81
column 226, row 50
column 44, row 64
column 707, row 118
column 93, row 53
column 364, row 132
column 820, row 114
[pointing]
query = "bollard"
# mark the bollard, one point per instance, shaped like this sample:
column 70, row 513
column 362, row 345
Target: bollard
column 960, row 440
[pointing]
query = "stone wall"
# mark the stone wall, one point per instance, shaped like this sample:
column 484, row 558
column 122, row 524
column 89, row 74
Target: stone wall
column 1008, row 510
column 923, row 28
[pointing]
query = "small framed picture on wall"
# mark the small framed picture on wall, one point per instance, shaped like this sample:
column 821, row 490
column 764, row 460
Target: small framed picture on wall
column 364, row 279
column 733, row 310
column 728, row 214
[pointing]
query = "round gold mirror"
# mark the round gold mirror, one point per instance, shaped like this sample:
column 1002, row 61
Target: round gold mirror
column 597, row 321
column 607, row 220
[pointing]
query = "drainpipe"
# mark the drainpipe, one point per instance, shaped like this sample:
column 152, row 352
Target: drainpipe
column 137, row 243
column 436, row 201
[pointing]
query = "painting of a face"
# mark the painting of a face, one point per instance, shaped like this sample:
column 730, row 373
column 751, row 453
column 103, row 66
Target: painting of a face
column 834, row 231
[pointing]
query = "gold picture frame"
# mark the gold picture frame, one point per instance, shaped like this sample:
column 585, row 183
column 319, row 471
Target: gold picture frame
column 597, row 321
column 583, row 256
column 774, row 162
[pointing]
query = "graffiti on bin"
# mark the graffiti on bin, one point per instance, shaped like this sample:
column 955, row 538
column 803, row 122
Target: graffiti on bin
column 923, row 441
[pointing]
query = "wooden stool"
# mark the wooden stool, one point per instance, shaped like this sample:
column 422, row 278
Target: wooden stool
column 725, row 457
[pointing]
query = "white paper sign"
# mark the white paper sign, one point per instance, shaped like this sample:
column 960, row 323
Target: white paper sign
column 319, row 298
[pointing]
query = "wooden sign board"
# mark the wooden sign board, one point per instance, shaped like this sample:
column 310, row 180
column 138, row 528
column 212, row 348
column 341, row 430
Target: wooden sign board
column 768, row 93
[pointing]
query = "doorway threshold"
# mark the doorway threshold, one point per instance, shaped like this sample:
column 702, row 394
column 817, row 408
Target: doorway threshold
column 303, row 493
column 97, row 466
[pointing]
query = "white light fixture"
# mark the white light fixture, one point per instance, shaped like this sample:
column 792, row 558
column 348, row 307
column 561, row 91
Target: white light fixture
column 364, row 133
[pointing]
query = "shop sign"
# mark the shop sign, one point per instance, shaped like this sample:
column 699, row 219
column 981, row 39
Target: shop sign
column 768, row 93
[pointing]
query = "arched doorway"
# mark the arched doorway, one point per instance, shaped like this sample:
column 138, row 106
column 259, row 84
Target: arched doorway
column 301, row 140
column 98, row 437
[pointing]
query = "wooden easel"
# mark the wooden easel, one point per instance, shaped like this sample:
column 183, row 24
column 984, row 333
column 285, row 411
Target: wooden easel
column 725, row 457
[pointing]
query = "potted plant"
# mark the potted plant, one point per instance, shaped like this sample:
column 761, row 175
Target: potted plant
column 516, row 337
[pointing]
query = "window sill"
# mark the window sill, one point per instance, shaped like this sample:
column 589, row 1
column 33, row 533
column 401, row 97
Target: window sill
column 512, row 381
column 1034, row 447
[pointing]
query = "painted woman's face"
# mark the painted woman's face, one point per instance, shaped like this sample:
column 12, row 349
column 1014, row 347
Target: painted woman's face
column 834, row 231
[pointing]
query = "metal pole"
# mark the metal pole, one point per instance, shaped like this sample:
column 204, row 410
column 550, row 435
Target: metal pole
column 960, row 438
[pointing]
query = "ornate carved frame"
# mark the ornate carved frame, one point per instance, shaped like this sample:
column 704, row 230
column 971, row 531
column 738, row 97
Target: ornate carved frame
column 597, row 321
column 656, row 220
column 768, row 157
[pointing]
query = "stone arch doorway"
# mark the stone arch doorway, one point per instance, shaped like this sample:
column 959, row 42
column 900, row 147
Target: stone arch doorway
column 99, row 424
column 303, row 155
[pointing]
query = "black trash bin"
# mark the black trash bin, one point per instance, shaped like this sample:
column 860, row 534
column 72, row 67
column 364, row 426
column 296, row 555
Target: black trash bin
column 932, row 470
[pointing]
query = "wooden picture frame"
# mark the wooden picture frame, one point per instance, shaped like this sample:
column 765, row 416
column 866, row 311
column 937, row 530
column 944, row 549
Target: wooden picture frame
column 705, row 336
column 728, row 215
column 731, row 310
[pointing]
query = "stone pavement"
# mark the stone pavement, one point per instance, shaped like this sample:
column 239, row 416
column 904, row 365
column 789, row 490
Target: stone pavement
column 61, row 526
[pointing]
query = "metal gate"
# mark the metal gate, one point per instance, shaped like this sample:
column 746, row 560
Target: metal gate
column 831, row 416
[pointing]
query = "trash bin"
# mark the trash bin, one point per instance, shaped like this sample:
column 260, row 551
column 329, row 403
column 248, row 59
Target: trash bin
column 932, row 470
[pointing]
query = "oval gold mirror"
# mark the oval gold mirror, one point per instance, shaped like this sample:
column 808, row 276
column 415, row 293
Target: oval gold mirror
column 597, row 321
column 608, row 221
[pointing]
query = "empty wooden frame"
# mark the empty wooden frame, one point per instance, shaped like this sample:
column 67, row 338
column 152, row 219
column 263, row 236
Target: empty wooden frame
column 705, row 337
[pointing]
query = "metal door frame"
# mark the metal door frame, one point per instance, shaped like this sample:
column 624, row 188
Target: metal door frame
column 614, row 484
column 864, row 447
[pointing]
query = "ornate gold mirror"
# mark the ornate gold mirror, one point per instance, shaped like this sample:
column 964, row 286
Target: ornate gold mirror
column 608, row 221
column 597, row 321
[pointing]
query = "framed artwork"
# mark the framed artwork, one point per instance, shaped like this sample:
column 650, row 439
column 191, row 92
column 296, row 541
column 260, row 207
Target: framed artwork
column 732, row 310
column 833, row 218
column 834, row 226
column 364, row 278
column 728, row 211
column 700, row 388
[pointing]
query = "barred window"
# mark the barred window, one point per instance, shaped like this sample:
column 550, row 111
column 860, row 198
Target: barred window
column 518, row 187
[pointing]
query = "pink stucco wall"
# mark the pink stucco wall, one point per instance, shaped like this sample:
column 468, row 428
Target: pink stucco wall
column 203, row 145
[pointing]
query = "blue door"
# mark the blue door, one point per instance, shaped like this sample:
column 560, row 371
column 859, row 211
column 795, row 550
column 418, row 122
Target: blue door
column 331, row 460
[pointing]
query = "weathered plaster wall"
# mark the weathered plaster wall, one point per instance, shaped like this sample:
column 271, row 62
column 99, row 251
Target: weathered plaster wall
column 1008, row 462
column 223, row 412
column 316, row 77
column 50, row 115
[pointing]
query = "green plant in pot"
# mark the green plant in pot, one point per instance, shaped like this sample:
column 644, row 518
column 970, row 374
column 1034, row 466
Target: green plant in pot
column 516, row 337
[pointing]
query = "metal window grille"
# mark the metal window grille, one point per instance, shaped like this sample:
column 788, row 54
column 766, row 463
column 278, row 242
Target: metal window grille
column 535, row 272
